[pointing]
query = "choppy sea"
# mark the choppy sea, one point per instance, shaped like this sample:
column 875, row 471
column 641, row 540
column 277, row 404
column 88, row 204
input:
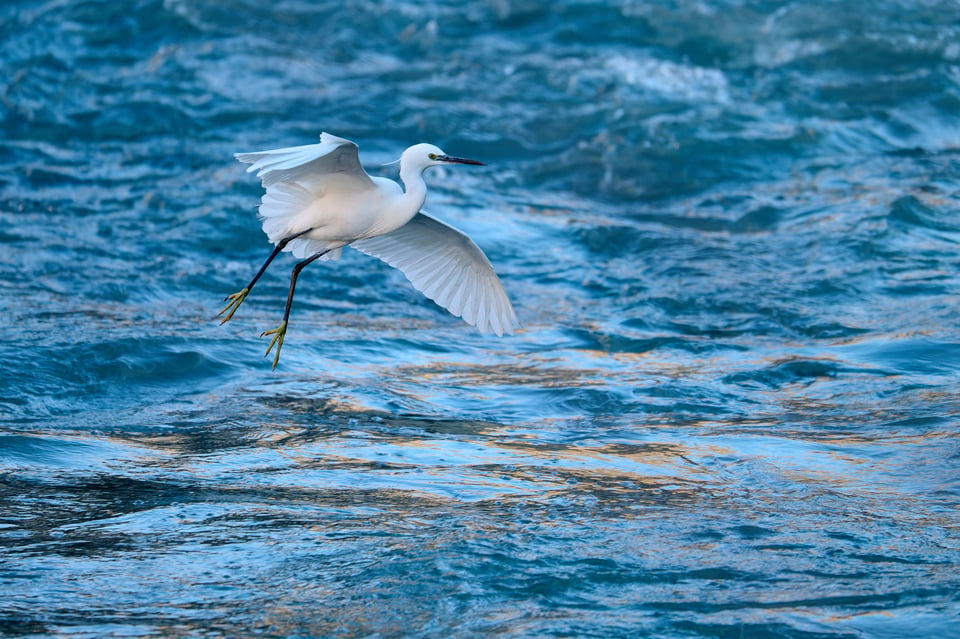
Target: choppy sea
column 730, row 229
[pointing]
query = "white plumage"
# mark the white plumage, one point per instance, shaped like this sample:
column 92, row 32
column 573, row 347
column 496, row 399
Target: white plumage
column 319, row 199
column 446, row 266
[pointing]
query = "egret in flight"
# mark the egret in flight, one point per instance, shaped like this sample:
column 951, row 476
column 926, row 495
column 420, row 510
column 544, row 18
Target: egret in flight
column 319, row 199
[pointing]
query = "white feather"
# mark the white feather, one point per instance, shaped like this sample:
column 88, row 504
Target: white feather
column 446, row 266
column 280, row 206
column 308, row 164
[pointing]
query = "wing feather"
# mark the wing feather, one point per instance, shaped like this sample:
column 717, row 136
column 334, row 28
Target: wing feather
column 446, row 286
column 308, row 164
column 445, row 265
column 494, row 315
column 472, row 311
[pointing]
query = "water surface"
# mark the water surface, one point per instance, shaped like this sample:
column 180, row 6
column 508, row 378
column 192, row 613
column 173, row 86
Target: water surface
column 730, row 230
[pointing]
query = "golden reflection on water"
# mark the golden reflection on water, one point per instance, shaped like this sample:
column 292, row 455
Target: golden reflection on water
column 589, row 429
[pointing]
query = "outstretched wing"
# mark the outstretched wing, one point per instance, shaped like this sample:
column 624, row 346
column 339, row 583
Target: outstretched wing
column 446, row 266
column 310, row 164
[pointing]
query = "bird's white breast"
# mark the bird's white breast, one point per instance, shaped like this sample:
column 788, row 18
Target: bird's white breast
column 340, row 212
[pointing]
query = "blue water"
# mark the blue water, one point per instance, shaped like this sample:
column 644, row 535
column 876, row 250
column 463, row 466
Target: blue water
column 731, row 230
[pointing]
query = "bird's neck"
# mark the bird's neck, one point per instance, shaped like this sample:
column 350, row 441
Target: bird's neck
column 415, row 189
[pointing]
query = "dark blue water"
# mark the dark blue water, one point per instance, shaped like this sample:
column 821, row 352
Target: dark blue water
column 731, row 231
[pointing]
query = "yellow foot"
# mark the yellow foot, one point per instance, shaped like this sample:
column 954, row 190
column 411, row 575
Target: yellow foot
column 235, row 301
column 277, row 340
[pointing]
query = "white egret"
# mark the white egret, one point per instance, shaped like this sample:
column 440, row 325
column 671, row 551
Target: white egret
column 319, row 199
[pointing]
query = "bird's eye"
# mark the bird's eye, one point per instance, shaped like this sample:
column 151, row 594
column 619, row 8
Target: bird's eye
column 432, row 156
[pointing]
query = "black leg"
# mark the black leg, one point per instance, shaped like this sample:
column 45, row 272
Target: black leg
column 236, row 299
column 279, row 332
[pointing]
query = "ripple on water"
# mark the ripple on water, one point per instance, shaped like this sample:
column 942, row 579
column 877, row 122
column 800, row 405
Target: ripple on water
column 730, row 233
column 114, row 374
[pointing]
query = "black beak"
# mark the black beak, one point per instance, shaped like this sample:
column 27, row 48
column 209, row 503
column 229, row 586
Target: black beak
column 453, row 160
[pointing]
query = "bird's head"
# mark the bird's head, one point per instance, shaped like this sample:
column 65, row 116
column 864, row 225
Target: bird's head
column 423, row 156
